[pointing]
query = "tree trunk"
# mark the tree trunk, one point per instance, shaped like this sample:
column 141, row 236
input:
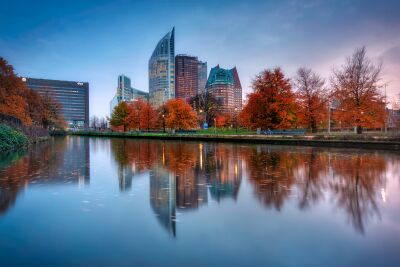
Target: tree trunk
column 359, row 129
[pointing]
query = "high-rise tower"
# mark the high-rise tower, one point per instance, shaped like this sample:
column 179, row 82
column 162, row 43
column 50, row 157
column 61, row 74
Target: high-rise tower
column 162, row 70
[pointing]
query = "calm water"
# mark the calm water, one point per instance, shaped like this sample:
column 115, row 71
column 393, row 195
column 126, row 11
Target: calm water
column 112, row 202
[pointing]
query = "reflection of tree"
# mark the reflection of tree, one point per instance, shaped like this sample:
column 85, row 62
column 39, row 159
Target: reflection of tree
column 272, row 173
column 59, row 161
column 310, row 178
column 132, row 158
column 358, row 178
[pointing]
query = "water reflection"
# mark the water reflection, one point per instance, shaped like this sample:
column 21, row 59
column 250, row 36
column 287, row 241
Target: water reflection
column 187, row 176
column 61, row 161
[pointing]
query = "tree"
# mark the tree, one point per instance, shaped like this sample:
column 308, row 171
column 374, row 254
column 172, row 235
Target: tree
column 12, row 94
column 205, row 105
column 24, row 104
column 356, row 87
column 272, row 103
column 119, row 115
column 311, row 97
column 94, row 122
column 141, row 115
column 179, row 115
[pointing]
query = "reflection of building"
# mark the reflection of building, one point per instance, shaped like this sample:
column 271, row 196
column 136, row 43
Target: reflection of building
column 225, row 86
column 226, row 174
column 191, row 76
column 163, row 198
column 162, row 70
column 125, row 92
column 72, row 96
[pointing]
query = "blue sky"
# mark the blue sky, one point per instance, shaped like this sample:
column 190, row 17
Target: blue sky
column 95, row 41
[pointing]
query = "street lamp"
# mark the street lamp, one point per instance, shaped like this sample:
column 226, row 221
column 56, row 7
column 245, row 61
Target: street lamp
column 236, row 119
column 163, row 118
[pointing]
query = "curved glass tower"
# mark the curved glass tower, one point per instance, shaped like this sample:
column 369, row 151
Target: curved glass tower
column 162, row 70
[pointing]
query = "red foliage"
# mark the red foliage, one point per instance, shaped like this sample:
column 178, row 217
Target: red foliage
column 272, row 104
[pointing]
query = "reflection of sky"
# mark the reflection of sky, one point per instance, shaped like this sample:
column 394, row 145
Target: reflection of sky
column 97, row 40
column 109, row 227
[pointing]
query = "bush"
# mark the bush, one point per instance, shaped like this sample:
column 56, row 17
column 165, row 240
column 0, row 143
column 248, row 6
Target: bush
column 11, row 138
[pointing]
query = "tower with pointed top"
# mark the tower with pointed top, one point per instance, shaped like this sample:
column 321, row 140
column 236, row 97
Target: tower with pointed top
column 162, row 70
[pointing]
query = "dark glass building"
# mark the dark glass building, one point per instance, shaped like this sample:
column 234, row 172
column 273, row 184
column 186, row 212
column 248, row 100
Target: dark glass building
column 190, row 78
column 72, row 96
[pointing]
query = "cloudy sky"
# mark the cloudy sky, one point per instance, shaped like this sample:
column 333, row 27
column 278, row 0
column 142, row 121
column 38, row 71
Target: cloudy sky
column 95, row 41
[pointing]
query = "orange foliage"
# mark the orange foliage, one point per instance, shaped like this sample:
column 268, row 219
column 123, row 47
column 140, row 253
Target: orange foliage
column 22, row 103
column 179, row 115
column 141, row 115
column 272, row 104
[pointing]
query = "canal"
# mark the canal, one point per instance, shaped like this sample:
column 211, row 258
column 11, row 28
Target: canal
column 79, row 201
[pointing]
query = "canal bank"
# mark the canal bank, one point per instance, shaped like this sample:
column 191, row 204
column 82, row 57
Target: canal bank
column 314, row 141
column 13, row 138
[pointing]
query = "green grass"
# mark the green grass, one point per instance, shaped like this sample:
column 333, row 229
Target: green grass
column 11, row 138
column 225, row 131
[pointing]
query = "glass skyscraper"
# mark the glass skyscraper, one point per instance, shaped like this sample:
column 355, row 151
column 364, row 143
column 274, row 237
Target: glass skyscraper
column 125, row 92
column 162, row 70
column 190, row 76
column 72, row 96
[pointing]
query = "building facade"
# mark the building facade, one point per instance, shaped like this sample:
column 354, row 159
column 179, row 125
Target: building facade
column 190, row 78
column 162, row 70
column 202, row 76
column 225, row 86
column 126, row 93
column 186, row 69
column 72, row 96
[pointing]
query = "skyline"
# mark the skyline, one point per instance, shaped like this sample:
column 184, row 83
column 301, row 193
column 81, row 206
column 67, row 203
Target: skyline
column 96, row 43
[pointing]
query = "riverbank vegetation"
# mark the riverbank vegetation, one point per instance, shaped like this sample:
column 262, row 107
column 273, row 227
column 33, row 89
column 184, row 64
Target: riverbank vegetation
column 11, row 139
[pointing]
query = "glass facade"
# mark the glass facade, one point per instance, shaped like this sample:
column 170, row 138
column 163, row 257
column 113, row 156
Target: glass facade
column 125, row 92
column 225, row 86
column 72, row 96
column 191, row 76
column 162, row 70
column 202, row 76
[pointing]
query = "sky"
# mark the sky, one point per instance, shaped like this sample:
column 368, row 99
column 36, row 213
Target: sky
column 95, row 41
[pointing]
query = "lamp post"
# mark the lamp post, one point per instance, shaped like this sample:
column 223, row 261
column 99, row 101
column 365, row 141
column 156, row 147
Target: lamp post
column 215, row 125
column 329, row 117
column 236, row 119
column 163, row 118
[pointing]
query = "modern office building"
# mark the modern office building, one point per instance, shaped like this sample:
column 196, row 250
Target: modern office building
column 162, row 70
column 72, row 96
column 191, row 76
column 125, row 92
column 202, row 76
column 225, row 86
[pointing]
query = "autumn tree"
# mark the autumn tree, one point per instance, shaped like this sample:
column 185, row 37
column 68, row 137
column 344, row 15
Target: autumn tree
column 179, row 115
column 356, row 87
column 311, row 98
column 25, row 104
column 205, row 105
column 272, row 103
column 141, row 115
column 12, row 94
column 119, row 115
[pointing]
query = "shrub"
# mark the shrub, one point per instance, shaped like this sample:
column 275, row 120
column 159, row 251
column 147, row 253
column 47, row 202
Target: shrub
column 11, row 138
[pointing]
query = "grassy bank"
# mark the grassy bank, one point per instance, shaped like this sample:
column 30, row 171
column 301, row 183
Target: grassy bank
column 346, row 141
column 11, row 139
